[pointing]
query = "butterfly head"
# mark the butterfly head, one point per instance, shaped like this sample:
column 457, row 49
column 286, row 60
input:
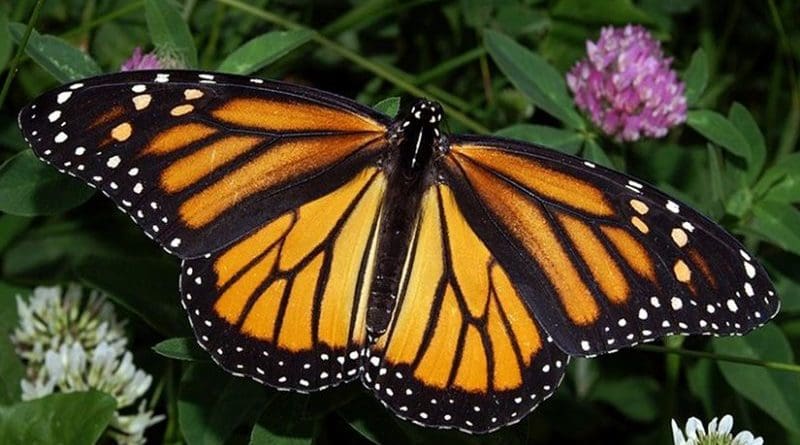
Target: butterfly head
column 416, row 133
column 426, row 112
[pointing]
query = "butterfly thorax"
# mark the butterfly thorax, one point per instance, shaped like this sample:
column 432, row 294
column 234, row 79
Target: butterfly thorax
column 415, row 136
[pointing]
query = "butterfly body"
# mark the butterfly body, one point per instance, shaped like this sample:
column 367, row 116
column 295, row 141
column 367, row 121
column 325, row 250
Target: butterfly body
column 410, row 170
column 322, row 242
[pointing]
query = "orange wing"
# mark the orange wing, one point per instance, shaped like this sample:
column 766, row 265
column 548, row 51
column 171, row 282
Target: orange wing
column 463, row 350
column 286, row 304
column 199, row 159
column 604, row 261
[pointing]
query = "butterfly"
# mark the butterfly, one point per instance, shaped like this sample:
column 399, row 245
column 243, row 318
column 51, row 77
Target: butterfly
column 323, row 242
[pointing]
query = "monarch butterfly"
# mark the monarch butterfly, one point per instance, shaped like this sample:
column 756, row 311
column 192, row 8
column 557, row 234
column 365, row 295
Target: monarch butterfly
column 323, row 242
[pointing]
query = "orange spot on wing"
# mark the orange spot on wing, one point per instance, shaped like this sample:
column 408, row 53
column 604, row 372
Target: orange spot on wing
column 110, row 115
column 700, row 262
column 296, row 327
column 525, row 220
column 632, row 251
column 437, row 362
column 286, row 160
column 473, row 372
column 276, row 115
column 234, row 299
column 260, row 321
column 568, row 190
column 188, row 170
column 603, row 268
column 178, row 137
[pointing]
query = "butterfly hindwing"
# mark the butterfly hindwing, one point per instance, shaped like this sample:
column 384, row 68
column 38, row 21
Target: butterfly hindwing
column 603, row 260
column 286, row 304
column 199, row 159
column 463, row 350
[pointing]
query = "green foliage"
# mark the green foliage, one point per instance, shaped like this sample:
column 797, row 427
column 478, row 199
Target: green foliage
column 263, row 50
column 62, row 60
column 529, row 72
column 169, row 32
column 75, row 418
column 181, row 348
column 499, row 67
column 28, row 187
column 773, row 391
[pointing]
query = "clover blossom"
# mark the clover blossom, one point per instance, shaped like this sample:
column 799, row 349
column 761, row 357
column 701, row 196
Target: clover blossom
column 719, row 433
column 141, row 61
column 626, row 85
column 70, row 345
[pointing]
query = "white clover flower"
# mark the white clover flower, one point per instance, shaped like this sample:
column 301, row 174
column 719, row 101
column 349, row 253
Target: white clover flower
column 69, row 346
column 50, row 319
column 719, row 433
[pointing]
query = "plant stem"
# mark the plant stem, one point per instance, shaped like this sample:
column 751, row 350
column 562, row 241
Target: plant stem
column 778, row 366
column 12, row 69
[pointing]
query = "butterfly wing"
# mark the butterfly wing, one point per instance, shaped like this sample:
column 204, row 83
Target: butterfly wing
column 200, row 159
column 462, row 350
column 268, row 191
column 286, row 305
column 604, row 261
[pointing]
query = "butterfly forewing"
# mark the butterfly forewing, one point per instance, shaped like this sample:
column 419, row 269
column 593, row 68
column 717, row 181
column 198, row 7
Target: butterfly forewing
column 199, row 159
column 463, row 349
column 603, row 260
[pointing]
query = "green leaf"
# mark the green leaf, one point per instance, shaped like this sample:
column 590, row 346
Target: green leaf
column 739, row 202
column 11, row 368
column 169, row 33
column 786, row 190
column 784, row 167
column 146, row 287
column 565, row 141
column 209, row 417
column 29, row 187
column 775, row 392
column 620, row 12
column 76, row 418
column 181, row 348
column 62, row 60
column 696, row 76
column 283, row 423
column 532, row 75
column 47, row 253
column 11, row 371
column 741, row 118
column 700, row 379
column 635, row 397
column 595, row 153
column 719, row 130
column 5, row 39
column 777, row 222
column 477, row 13
column 388, row 106
column 787, row 285
column 264, row 50
column 11, row 226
